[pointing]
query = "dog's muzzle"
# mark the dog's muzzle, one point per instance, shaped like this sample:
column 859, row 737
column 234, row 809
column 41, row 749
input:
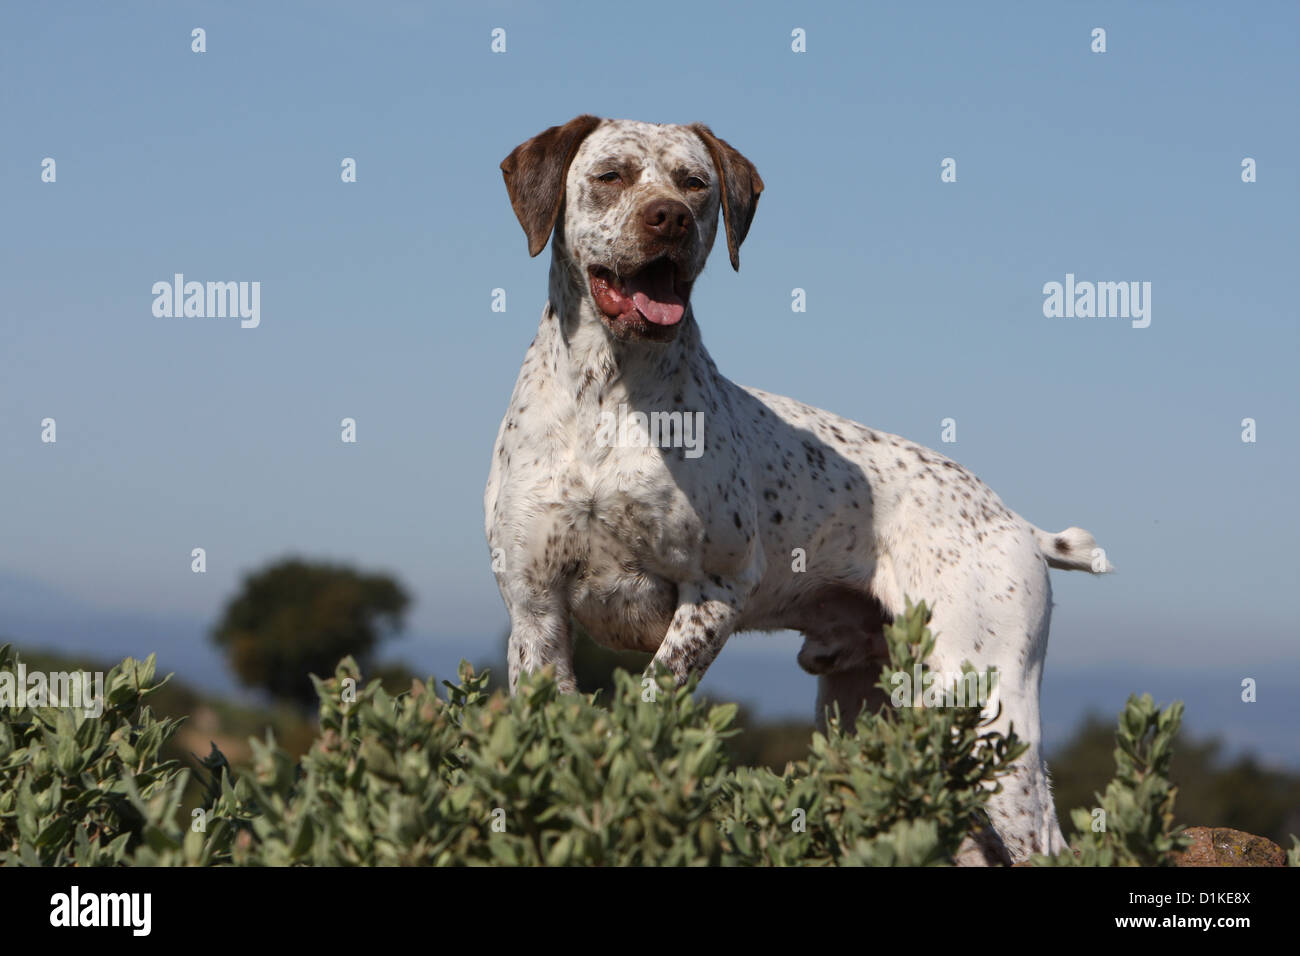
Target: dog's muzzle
column 654, row 293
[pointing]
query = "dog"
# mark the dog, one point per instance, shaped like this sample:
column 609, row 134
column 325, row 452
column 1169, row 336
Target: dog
column 654, row 548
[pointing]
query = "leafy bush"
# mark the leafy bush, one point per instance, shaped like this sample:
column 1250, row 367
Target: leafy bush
column 538, row 778
column 1133, row 822
column 86, row 790
column 1216, row 786
column 474, row 778
column 905, row 789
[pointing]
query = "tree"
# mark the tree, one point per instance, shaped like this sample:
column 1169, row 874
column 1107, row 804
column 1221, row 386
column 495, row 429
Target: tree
column 297, row 618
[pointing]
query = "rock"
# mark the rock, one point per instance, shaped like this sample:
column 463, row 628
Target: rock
column 1220, row 846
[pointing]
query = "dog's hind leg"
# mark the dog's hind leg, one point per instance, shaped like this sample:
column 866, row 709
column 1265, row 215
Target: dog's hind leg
column 1014, row 642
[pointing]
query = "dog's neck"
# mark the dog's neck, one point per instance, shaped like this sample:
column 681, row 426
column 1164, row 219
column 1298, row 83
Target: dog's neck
column 595, row 367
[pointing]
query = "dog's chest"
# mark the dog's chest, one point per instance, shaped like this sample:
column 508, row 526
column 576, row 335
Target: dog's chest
column 614, row 505
column 608, row 522
column 583, row 483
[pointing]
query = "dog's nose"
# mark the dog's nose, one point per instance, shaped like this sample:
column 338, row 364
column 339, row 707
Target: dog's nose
column 668, row 219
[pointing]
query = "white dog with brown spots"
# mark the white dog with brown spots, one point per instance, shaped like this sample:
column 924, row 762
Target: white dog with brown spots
column 654, row 548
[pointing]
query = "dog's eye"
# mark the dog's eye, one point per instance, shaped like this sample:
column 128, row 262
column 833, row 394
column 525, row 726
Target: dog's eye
column 695, row 183
column 610, row 177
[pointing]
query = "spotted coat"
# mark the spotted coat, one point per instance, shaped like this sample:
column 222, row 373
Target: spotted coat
column 650, row 548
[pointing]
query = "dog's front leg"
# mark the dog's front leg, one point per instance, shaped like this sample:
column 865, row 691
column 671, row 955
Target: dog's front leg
column 539, row 635
column 705, row 617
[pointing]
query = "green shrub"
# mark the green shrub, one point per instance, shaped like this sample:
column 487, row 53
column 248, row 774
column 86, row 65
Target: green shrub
column 1133, row 822
column 87, row 790
column 538, row 778
column 905, row 789
column 473, row 778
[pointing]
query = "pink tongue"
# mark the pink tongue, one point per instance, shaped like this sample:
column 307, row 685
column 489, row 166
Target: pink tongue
column 653, row 295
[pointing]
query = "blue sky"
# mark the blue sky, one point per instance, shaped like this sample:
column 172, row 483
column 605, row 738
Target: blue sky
column 924, row 298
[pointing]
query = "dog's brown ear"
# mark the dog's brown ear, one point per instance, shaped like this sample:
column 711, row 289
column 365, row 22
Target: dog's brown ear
column 535, row 174
column 740, row 185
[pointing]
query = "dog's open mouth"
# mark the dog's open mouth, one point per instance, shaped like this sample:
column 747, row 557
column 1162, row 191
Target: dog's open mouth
column 654, row 292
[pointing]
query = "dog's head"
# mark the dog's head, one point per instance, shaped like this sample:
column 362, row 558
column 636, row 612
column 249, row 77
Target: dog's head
column 640, row 205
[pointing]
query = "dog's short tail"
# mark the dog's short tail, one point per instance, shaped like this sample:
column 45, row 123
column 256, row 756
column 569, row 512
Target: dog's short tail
column 1072, row 550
